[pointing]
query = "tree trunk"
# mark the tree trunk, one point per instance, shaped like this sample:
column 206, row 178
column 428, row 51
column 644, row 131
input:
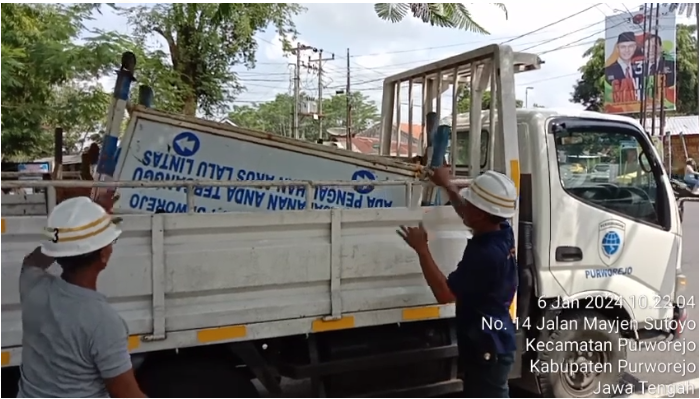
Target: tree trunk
column 190, row 106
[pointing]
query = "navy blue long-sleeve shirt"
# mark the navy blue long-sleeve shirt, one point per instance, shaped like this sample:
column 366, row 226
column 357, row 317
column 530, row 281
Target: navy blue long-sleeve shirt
column 484, row 285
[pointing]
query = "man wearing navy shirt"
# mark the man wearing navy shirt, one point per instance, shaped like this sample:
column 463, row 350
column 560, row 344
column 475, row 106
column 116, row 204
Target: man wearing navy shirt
column 484, row 283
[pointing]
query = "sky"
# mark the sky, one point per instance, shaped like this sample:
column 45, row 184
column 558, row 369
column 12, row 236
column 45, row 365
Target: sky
column 379, row 48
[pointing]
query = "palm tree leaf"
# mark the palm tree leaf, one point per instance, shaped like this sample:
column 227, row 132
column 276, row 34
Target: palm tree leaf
column 393, row 12
column 462, row 19
column 503, row 8
column 445, row 15
column 436, row 15
column 421, row 11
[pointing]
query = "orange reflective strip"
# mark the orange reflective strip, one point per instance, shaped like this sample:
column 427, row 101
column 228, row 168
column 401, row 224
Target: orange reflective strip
column 515, row 174
column 321, row 325
column 427, row 312
column 221, row 334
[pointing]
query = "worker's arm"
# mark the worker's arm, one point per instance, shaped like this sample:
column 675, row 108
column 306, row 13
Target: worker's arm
column 456, row 200
column 434, row 277
column 441, row 178
column 124, row 386
column 33, row 271
column 36, row 259
column 111, row 356
column 417, row 238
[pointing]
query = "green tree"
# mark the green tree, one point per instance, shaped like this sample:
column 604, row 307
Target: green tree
column 81, row 110
column 364, row 111
column 589, row 89
column 276, row 116
column 445, row 15
column 464, row 100
column 687, row 69
column 40, row 55
column 205, row 41
column 272, row 116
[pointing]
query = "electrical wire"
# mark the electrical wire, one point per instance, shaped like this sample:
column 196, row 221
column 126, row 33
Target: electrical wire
column 553, row 23
column 572, row 44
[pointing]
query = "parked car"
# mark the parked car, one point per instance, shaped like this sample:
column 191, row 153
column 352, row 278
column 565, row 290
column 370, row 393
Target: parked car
column 578, row 168
column 601, row 172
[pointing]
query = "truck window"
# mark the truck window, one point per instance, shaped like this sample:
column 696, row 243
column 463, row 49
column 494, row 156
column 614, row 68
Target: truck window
column 463, row 147
column 621, row 181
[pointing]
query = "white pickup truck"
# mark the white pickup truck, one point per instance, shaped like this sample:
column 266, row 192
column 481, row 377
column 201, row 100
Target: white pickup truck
column 220, row 289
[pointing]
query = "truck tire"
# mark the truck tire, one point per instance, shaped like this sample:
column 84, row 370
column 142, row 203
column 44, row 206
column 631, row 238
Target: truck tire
column 581, row 385
column 195, row 378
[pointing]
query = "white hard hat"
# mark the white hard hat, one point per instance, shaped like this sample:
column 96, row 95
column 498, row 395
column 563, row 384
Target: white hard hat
column 493, row 193
column 78, row 226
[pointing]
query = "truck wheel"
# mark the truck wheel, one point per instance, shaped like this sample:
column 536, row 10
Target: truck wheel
column 189, row 378
column 578, row 384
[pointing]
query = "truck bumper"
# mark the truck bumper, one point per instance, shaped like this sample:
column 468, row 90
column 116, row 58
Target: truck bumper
column 680, row 315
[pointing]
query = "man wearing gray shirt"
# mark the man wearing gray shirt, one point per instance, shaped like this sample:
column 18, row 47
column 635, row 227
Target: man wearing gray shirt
column 74, row 344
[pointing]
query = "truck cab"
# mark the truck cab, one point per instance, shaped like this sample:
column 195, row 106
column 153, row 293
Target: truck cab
column 588, row 273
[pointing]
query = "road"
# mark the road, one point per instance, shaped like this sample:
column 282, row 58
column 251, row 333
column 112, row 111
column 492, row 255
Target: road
column 656, row 379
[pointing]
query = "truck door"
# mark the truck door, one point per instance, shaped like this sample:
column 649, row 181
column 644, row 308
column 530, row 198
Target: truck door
column 616, row 232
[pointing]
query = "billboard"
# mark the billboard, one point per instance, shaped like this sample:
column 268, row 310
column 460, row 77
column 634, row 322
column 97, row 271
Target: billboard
column 37, row 167
column 635, row 60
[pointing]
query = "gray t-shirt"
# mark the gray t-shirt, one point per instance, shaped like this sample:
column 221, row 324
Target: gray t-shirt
column 72, row 339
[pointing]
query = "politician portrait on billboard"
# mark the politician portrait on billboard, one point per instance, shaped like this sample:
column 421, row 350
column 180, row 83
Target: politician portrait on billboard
column 639, row 61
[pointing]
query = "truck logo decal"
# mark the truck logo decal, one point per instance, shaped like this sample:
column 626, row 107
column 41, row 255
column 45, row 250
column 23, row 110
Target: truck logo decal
column 186, row 144
column 611, row 241
column 363, row 174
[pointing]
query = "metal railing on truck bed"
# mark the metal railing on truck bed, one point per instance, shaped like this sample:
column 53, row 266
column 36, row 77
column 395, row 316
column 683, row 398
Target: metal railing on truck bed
column 35, row 201
column 190, row 185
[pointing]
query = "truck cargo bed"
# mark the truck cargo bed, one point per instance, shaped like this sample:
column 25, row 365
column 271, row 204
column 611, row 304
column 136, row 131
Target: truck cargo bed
column 269, row 274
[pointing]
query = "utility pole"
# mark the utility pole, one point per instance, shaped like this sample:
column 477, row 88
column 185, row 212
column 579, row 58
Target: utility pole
column 297, row 82
column 645, row 69
column 348, row 105
column 655, row 75
column 319, row 105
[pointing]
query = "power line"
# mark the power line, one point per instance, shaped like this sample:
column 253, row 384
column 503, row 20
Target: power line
column 553, row 23
column 509, row 39
column 413, row 50
column 570, row 45
column 560, row 37
column 575, row 43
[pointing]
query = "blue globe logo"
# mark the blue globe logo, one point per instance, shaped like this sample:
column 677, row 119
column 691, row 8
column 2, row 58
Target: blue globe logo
column 611, row 243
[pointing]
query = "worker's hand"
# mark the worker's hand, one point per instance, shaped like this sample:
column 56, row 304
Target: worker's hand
column 415, row 237
column 441, row 176
column 37, row 259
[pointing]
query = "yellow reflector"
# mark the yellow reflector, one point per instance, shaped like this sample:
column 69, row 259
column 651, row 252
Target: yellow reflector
column 321, row 325
column 427, row 312
column 133, row 342
column 221, row 334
